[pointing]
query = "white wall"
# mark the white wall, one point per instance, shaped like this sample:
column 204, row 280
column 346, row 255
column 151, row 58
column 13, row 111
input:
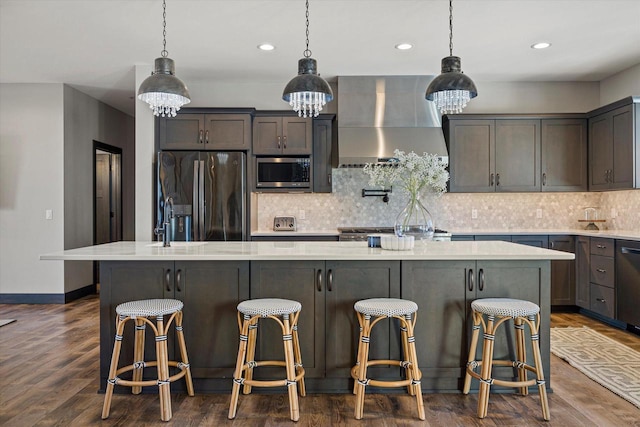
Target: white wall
column 31, row 180
column 144, row 131
column 620, row 85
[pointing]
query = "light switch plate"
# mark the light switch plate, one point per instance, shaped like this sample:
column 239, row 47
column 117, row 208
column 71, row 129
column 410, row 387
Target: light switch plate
column 48, row 214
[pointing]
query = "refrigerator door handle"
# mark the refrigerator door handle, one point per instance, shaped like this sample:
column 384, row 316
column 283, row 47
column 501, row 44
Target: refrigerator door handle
column 201, row 200
column 194, row 203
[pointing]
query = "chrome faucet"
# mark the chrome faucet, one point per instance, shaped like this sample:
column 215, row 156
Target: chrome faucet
column 165, row 230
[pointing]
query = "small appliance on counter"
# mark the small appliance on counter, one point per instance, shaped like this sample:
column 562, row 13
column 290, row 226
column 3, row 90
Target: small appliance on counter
column 284, row 223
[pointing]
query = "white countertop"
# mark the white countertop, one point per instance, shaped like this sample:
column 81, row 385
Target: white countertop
column 290, row 251
column 611, row 234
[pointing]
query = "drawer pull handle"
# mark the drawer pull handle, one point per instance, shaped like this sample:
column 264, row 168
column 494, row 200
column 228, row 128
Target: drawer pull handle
column 601, row 270
column 601, row 247
column 601, row 300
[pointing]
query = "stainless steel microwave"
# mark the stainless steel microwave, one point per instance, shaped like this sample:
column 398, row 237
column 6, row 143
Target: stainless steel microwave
column 283, row 172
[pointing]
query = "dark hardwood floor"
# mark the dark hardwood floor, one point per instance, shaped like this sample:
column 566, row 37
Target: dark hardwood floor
column 49, row 377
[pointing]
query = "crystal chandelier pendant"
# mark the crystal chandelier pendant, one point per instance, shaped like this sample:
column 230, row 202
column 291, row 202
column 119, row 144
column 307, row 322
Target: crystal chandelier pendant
column 307, row 104
column 451, row 101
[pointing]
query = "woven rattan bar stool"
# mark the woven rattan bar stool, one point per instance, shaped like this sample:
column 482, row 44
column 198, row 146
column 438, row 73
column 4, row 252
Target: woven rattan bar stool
column 382, row 308
column 285, row 313
column 503, row 309
column 143, row 313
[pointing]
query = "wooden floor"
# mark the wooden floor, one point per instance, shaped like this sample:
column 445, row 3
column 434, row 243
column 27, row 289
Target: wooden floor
column 49, row 376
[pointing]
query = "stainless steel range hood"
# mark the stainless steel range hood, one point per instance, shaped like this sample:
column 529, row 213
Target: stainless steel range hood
column 379, row 114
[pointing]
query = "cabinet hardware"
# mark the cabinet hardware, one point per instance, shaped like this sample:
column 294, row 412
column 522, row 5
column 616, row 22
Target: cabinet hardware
column 178, row 280
column 601, row 300
column 551, row 244
column 601, row 270
column 470, row 279
column 601, row 246
column 279, row 141
column 481, row 279
column 206, row 137
column 200, row 136
column 167, row 279
column 319, row 280
column 284, row 142
column 491, row 180
column 497, row 180
column 544, row 178
column 626, row 250
column 329, row 178
column 330, row 280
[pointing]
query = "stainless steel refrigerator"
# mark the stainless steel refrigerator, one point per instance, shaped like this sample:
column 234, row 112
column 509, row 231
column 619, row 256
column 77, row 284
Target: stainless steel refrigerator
column 208, row 189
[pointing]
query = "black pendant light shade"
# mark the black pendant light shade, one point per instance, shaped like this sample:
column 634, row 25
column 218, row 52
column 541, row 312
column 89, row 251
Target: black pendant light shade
column 163, row 91
column 307, row 93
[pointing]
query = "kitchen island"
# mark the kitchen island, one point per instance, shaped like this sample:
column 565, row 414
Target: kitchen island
column 327, row 278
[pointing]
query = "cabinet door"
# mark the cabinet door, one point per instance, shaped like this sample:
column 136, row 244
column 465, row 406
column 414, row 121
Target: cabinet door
column 323, row 131
column 600, row 151
column 439, row 290
column 182, row 132
column 471, row 156
column 622, row 140
column 562, row 272
column 564, row 155
column 227, row 131
column 348, row 282
column 517, row 155
column 211, row 292
column 300, row 281
column 297, row 135
column 583, row 272
column 122, row 281
column 493, row 237
column 536, row 241
column 267, row 135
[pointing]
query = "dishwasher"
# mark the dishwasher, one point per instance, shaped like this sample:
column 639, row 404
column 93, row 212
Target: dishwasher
column 628, row 283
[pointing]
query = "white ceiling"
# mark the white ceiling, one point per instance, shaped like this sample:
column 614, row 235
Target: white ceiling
column 93, row 45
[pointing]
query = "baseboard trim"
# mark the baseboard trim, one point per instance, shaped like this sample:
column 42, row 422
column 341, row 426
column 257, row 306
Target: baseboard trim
column 609, row 321
column 48, row 298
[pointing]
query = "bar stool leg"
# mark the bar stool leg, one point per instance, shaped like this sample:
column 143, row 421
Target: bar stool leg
column 405, row 352
column 138, row 355
column 535, row 344
column 251, row 353
column 363, row 357
column 183, row 353
column 115, row 356
column 355, row 383
column 287, row 338
column 163, row 370
column 477, row 320
column 487, row 364
column 298, row 357
column 237, row 375
column 521, row 353
column 413, row 368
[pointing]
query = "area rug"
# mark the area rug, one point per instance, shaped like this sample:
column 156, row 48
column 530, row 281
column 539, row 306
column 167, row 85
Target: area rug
column 607, row 362
column 6, row 321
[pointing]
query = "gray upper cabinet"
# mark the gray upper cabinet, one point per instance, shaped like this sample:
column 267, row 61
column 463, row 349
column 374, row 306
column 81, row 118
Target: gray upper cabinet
column 564, row 155
column 324, row 149
column 282, row 135
column 517, row 155
column 190, row 131
column 614, row 155
column 472, row 158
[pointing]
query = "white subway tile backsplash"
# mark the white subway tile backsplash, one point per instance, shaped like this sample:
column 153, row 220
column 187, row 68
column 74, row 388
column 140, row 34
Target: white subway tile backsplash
column 346, row 207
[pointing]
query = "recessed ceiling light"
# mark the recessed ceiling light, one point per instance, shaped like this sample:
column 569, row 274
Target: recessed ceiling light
column 266, row 46
column 541, row 45
column 404, row 46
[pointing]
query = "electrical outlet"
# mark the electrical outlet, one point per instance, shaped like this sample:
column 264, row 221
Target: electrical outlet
column 614, row 213
column 538, row 213
column 301, row 214
column 474, row 213
column 48, row 214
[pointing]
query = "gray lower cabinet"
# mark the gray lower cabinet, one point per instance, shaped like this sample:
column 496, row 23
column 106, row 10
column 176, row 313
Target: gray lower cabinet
column 602, row 277
column 210, row 291
column 563, row 283
column 444, row 292
column 583, row 253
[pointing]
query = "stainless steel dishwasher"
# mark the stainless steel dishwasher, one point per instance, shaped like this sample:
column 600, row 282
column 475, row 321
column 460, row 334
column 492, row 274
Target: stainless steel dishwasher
column 628, row 282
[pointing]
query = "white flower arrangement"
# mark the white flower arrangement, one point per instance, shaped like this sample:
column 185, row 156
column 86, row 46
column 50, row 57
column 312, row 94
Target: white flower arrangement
column 414, row 174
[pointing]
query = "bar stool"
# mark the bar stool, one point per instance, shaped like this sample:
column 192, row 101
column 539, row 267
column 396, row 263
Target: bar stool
column 522, row 312
column 140, row 312
column 381, row 308
column 285, row 313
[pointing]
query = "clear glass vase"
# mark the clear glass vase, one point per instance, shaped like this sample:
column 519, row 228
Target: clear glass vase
column 414, row 220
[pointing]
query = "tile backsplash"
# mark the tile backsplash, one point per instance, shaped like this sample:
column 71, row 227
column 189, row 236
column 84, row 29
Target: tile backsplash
column 346, row 207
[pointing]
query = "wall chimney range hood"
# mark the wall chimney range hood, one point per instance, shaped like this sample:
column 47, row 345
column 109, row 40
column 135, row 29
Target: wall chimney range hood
column 379, row 114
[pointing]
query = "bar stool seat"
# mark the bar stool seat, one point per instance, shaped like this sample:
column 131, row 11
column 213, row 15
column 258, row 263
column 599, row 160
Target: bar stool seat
column 285, row 313
column 140, row 312
column 379, row 309
column 522, row 312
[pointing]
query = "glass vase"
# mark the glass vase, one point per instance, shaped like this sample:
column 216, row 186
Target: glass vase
column 414, row 220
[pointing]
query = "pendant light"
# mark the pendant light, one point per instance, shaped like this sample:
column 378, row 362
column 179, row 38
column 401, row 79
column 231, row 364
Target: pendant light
column 307, row 93
column 163, row 91
column 451, row 90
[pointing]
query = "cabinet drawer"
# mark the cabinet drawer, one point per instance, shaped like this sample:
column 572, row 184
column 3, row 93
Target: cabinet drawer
column 600, row 246
column 602, row 300
column 602, row 270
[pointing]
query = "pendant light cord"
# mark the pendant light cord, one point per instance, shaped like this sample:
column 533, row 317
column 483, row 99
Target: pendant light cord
column 164, row 52
column 450, row 28
column 307, row 52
